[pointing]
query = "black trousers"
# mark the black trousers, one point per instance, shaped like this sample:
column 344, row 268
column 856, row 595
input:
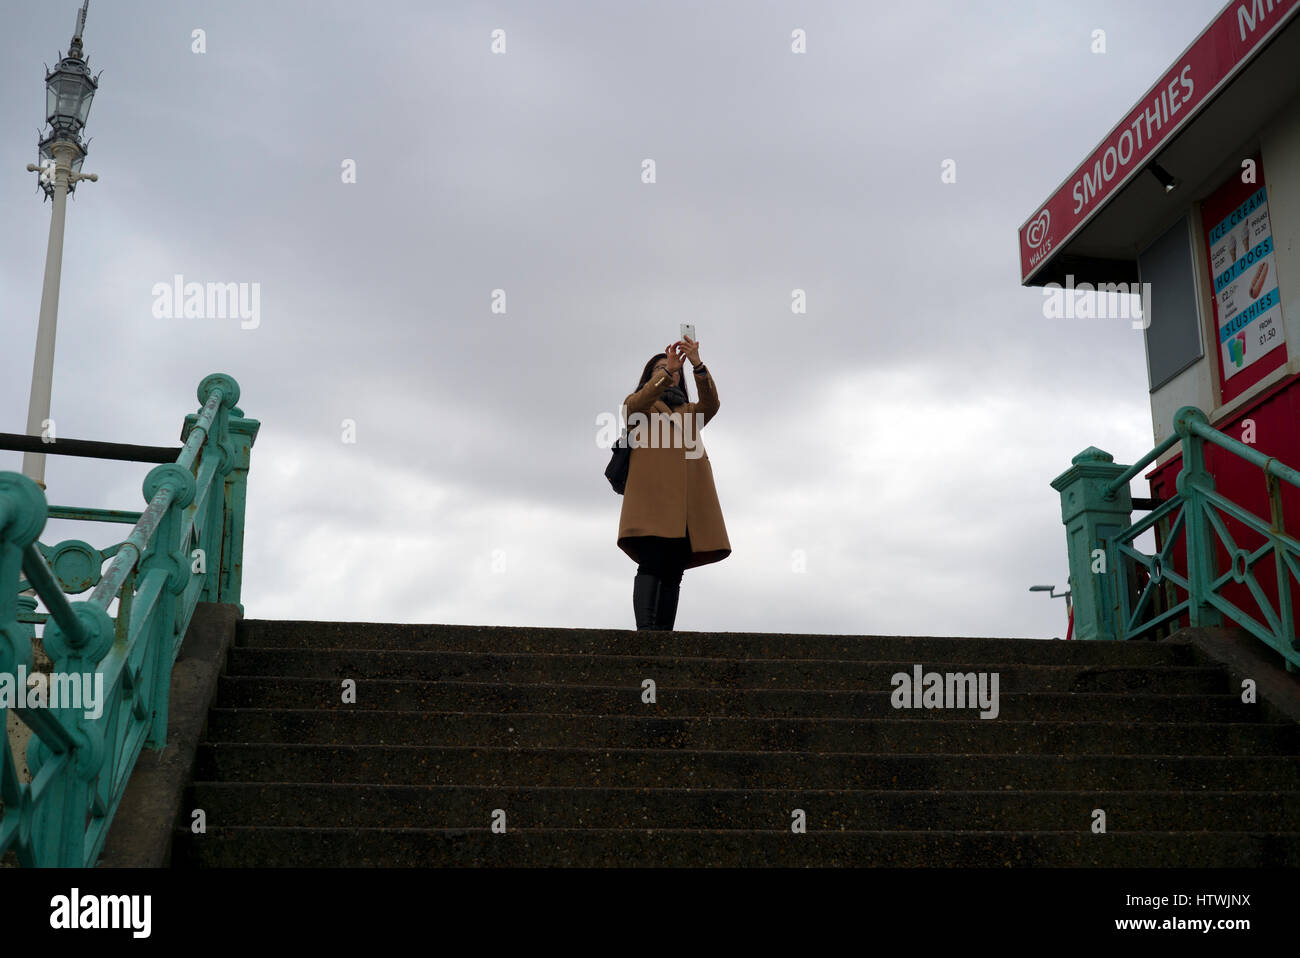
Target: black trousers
column 664, row 557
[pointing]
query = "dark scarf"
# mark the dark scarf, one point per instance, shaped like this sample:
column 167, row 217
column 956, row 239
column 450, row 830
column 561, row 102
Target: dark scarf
column 674, row 396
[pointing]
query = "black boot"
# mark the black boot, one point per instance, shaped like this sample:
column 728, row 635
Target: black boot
column 645, row 599
column 666, row 609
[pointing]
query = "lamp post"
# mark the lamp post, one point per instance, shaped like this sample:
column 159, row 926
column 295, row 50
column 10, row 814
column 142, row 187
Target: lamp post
column 1069, row 607
column 69, row 89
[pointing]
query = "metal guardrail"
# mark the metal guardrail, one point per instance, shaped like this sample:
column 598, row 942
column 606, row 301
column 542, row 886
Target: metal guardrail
column 185, row 547
column 1127, row 593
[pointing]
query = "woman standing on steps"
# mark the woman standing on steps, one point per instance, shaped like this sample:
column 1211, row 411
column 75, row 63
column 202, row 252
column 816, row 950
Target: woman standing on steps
column 671, row 520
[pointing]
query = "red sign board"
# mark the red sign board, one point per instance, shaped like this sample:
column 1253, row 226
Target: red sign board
column 1232, row 38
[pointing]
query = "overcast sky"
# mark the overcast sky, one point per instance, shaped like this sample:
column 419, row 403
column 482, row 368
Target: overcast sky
column 900, row 435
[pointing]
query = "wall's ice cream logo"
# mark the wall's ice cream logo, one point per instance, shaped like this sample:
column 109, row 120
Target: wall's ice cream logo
column 1036, row 236
column 1037, row 231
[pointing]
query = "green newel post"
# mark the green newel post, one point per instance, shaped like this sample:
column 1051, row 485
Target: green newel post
column 243, row 433
column 225, row 579
column 1091, row 521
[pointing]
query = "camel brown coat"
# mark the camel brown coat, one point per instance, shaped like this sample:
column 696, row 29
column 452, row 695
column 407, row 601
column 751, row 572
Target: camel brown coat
column 668, row 492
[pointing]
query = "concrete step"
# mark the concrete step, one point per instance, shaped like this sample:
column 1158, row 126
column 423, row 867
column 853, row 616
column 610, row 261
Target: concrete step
column 351, row 847
column 682, row 672
column 376, row 727
column 452, row 722
column 657, row 768
column 471, row 807
column 767, row 645
column 241, row 691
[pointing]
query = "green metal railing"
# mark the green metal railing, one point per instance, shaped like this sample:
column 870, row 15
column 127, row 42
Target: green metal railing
column 184, row 548
column 1121, row 592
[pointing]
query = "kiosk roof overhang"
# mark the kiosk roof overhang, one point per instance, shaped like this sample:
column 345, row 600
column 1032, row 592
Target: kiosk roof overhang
column 1236, row 74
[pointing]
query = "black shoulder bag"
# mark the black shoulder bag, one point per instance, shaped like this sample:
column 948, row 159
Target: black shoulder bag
column 619, row 460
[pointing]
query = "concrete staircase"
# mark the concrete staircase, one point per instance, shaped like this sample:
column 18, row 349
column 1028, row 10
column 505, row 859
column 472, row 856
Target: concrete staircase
column 548, row 725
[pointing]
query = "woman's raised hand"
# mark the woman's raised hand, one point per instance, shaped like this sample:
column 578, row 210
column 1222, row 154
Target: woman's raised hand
column 690, row 348
column 673, row 358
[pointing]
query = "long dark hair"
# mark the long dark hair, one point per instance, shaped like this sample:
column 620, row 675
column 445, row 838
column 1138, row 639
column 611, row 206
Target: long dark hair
column 649, row 368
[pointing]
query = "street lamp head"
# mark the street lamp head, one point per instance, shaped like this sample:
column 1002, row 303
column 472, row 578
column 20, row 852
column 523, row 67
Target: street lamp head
column 69, row 90
column 69, row 87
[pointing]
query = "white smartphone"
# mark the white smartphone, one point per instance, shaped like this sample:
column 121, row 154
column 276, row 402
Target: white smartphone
column 688, row 331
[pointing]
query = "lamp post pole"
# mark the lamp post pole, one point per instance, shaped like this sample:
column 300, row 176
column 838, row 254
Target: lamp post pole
column 38, row 408
column 69, row 90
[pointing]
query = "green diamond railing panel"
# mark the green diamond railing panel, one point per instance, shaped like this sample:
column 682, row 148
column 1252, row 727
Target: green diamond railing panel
column 1121, row 592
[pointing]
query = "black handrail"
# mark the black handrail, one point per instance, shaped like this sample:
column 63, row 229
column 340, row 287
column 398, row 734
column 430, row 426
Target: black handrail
column 1146, row 505
column 88, row 448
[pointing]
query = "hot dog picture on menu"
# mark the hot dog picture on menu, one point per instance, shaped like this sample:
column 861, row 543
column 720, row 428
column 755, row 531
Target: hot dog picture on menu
column 1257, row 284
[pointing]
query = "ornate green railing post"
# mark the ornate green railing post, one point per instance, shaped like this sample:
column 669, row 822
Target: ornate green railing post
column 1194, row 481
column 243, row 433
column 220, row 455
column 1093, row 515
column 226, row 571
column 165, row 553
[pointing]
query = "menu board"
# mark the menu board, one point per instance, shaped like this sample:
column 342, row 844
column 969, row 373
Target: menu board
column 1247, row 305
